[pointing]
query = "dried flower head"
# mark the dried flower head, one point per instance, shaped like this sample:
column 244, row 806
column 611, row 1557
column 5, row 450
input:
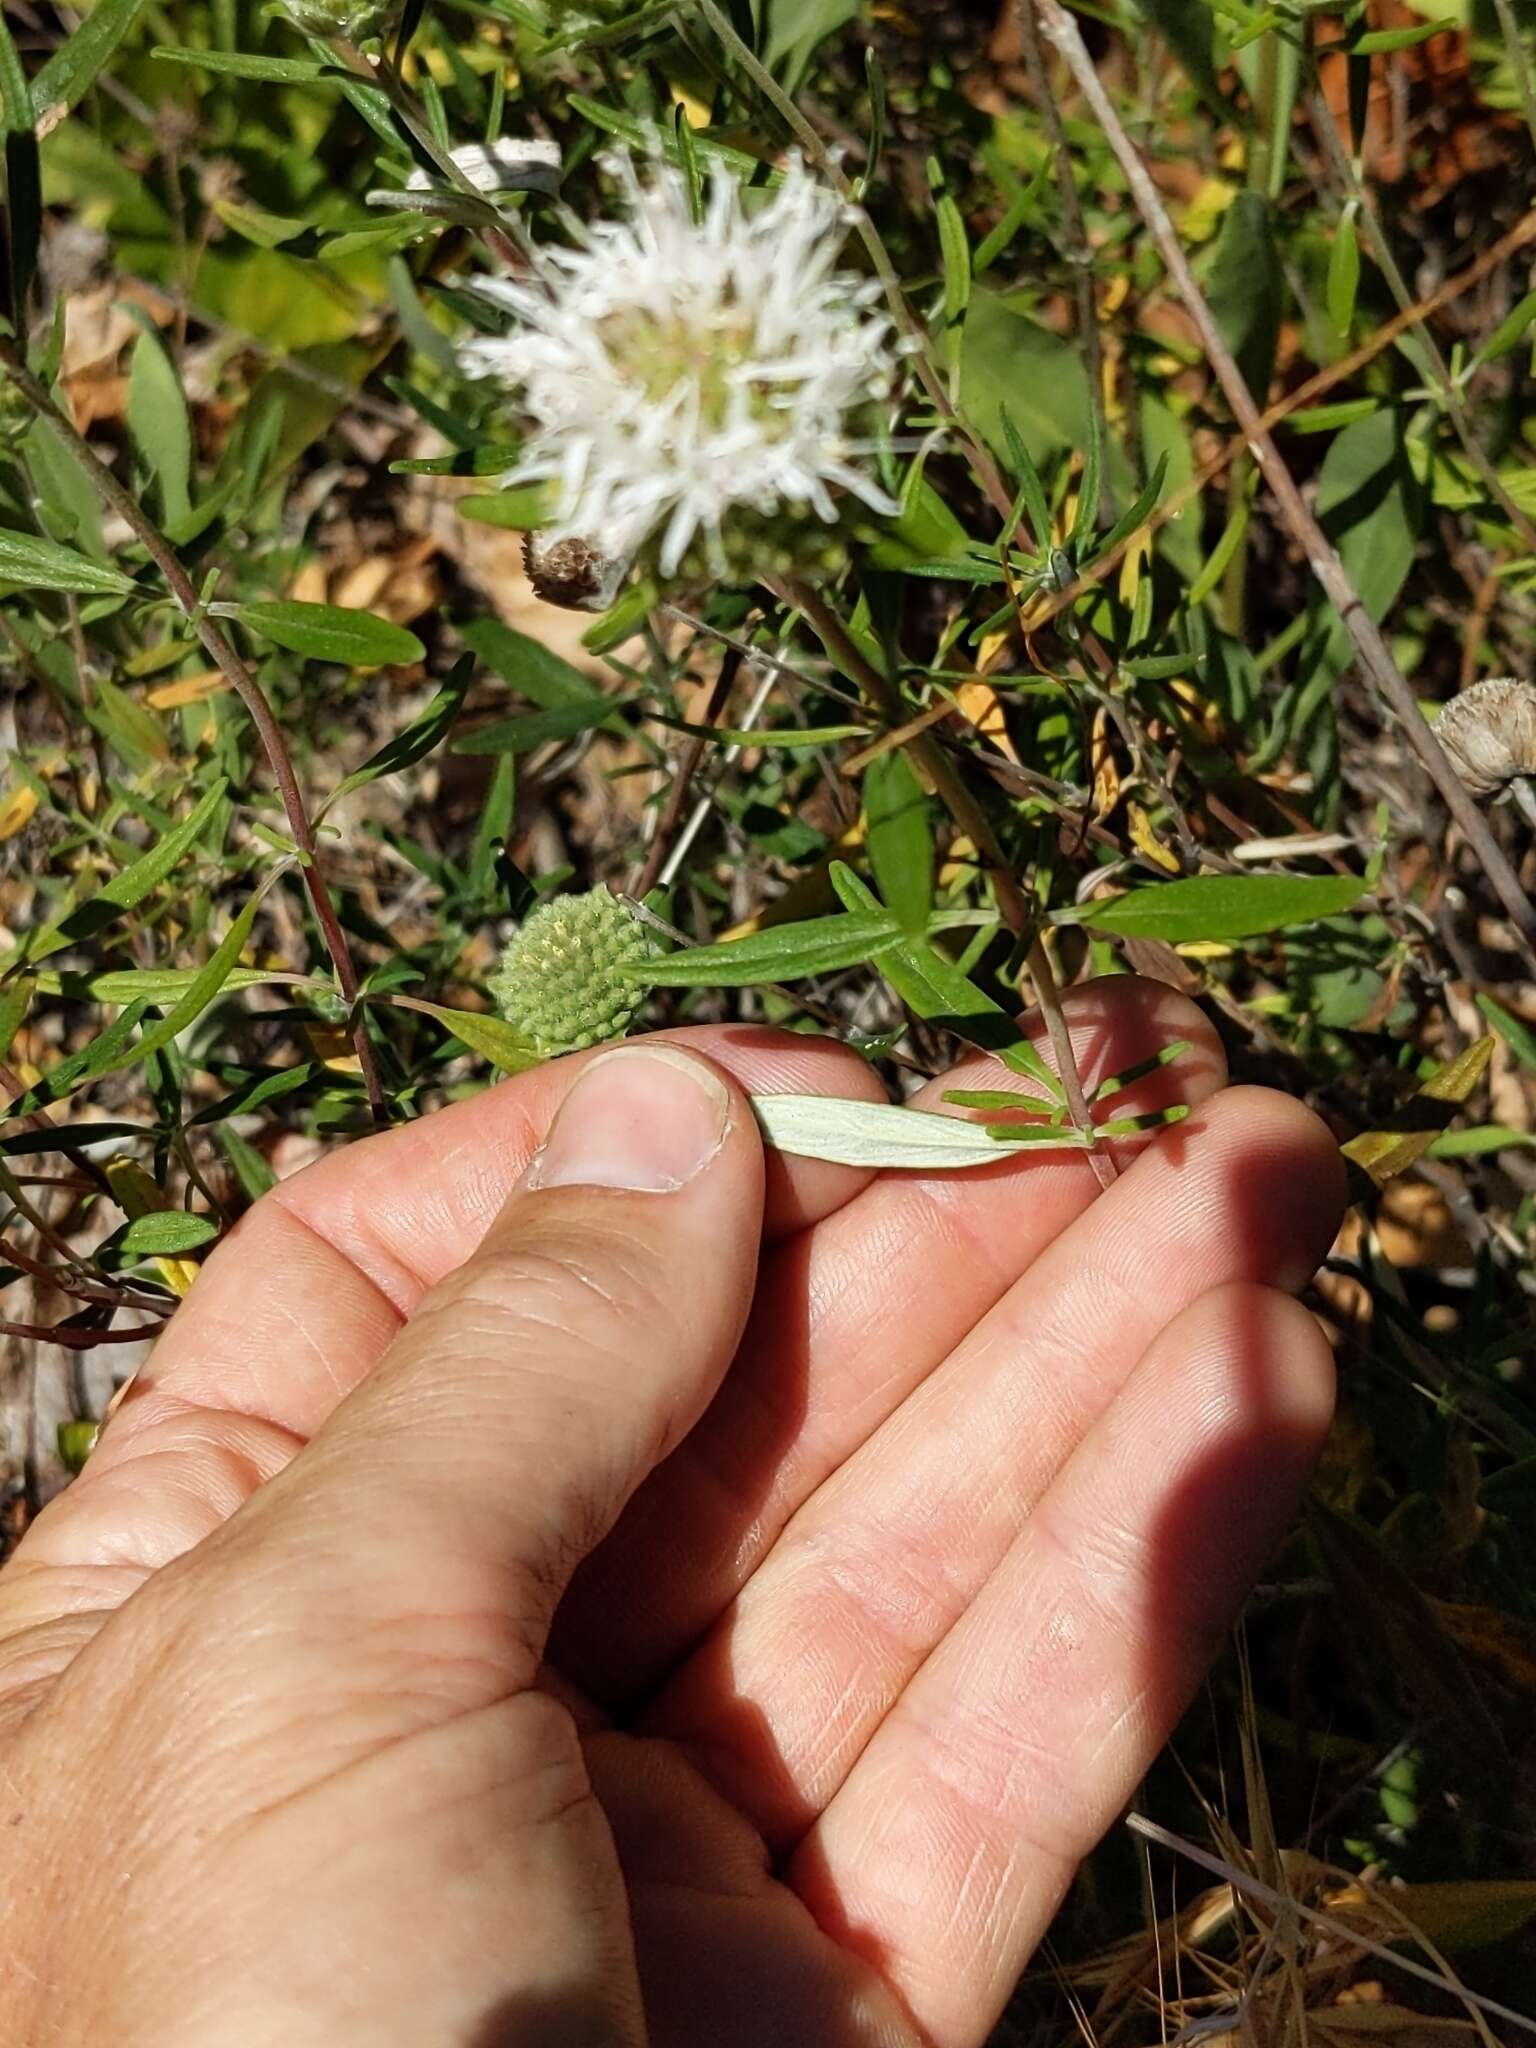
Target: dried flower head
column 561, row 980
column 1489, row 733
column 676, row 371
column 572, row 572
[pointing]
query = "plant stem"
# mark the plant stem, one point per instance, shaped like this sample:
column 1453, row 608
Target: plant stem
column 1371, row 649
column 222, row 652
column 1077, row 248
column 973, row 822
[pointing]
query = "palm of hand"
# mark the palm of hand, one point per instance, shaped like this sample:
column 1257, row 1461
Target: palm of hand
column 867, row 1664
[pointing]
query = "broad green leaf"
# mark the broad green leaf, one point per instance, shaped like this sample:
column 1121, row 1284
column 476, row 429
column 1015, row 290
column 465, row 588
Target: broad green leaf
column 1370, row 505
column 492, row 1037
column 157, row 420
column 1188, row 27
column 169, row 1233
column 1219, row 906
column 80, row 59
column 44, row 565
column 1008, row 361
column 785, row 952
column 418, row 738
column 879, row 1134
column 900, row 842
column 1247, row 289
column 133, row 884
column 793, row 28
column 328, row 632
column 67, row 505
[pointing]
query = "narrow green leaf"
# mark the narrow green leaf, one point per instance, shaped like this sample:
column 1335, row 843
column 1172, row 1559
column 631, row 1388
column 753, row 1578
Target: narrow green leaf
column 266, row 70
column 955, row 250
column 1086, row 517
column 934, row 989
column 155, row 984
column 1379, row 39
column 80, row 59
column 167, row 1234
column 1518, row 1036
column 328, row 632
column 785, row 952
column 44, row 565
column 1031, row 501
column 418, row 738
column 530, row 667
column 1220, row 906
column 1344, row 272
column 1127, row 524
column 795, row 738
column 532, row 729
column 133, row 884
column 1509, row 332
column 99, row 1057
column 492, row 1037
column 1226, row 547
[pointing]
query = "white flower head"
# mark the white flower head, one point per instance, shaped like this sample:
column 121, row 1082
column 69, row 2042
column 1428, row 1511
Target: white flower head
column 675, row 371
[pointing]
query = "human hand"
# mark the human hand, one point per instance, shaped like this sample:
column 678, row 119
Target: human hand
column 309, row 1734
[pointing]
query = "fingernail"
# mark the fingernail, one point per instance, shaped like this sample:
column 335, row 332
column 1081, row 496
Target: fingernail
column 645, row 1117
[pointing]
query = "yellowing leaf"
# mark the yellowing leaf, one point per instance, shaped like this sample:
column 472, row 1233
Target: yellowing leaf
column 981, row 704
column 187, row 690
column 1386, row 1153
column 1101, row 761
column 17, row 809
column 1147, row 840
column 332, row 1047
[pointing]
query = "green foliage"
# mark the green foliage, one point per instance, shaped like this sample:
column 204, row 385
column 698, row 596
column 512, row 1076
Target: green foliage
column 300, row 775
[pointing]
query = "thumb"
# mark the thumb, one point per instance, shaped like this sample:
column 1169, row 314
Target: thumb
column 498, row 1439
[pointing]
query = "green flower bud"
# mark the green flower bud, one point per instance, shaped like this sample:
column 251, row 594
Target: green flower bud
column 360, row 21
column 561, row 979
